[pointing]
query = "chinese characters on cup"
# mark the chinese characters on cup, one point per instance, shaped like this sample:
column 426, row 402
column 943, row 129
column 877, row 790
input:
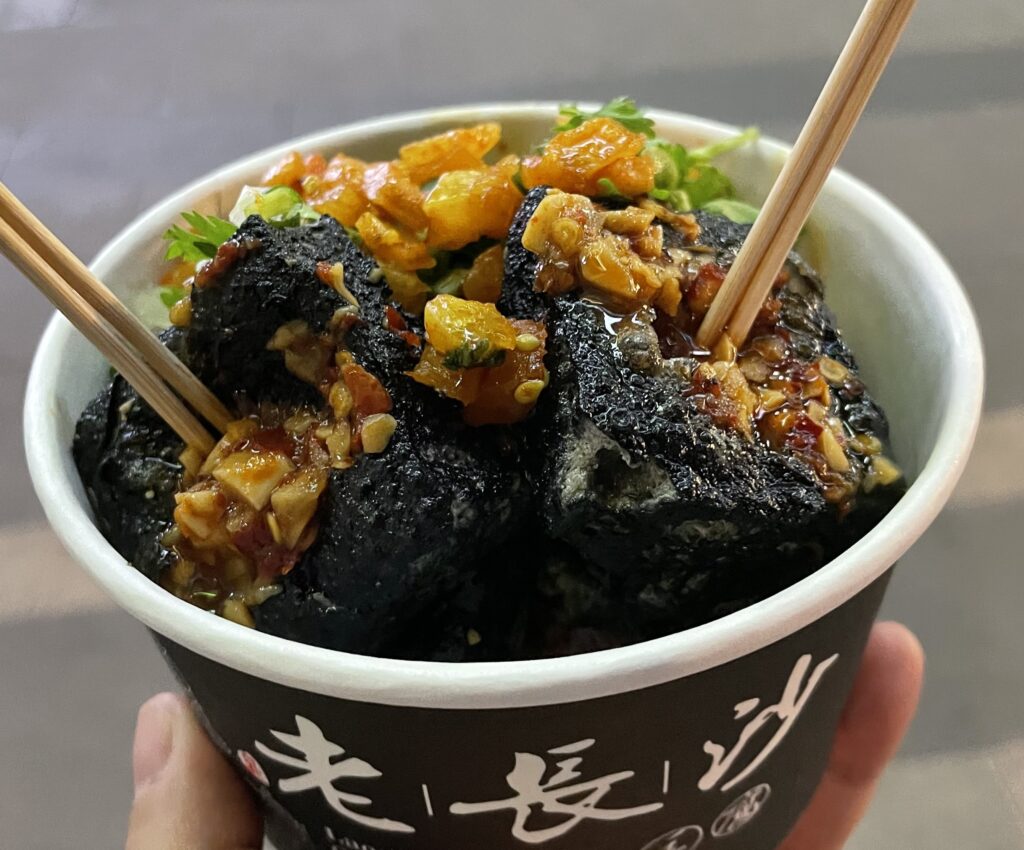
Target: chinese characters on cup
column 553, row 788
column 317, row 771
column 559, row 795
column 794, row 697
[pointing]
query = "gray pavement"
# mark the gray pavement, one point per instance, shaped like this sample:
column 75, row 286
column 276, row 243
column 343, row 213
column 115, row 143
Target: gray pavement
column 106, row 105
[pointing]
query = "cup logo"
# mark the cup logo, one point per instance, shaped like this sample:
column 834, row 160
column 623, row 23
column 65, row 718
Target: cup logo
column 741, row 811
column 687, row 838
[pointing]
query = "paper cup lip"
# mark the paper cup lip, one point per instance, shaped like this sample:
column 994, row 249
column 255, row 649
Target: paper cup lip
column 508, row 684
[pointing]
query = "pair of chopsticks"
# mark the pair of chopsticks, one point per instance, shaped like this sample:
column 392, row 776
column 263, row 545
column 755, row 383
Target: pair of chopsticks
column 156, row 374
column 166, row 384
column 816, row 151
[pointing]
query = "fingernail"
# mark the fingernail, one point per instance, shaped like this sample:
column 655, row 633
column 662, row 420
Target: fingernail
column 154, row 738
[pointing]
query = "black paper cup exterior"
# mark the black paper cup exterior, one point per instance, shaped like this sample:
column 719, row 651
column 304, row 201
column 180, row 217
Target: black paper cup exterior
column 726, row 758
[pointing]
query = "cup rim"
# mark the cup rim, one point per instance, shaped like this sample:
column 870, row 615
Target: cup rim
column 504, row 684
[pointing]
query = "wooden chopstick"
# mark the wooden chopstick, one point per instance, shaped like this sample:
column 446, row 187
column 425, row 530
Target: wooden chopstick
column 754, row 296
column 818, row 147
column 105, row 337
column 111, row 309
column 794, row 170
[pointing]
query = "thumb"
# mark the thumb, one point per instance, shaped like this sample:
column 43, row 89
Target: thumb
column 876, row 716
column 187, row 797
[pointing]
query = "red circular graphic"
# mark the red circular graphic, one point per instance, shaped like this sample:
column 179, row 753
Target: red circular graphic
column 685, row 838
column 741, row 811
column 252, row 767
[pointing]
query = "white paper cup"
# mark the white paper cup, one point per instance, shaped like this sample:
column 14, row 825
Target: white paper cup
column 712, row 737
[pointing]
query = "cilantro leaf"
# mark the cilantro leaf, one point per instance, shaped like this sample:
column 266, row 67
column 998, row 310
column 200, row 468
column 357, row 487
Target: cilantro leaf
column 621, row 109
column 171, row 295
column 201, row 241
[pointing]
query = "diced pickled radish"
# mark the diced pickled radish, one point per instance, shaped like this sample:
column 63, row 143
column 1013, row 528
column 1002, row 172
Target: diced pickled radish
column 295, row 502
column 198, row 512
column 252, row 476
column 376, row 432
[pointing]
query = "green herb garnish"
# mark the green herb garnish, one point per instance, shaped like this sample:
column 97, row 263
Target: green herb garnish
column 470, row 355
column 610, row 190
column 280, row 206
column 738, row 211
column 450, row 268
column 171, row 295
column 716, row 149
column 451, row 283
column 621, row 109
column 201, row 241
column 517, row 178
column 353, row 234
column 686, row 179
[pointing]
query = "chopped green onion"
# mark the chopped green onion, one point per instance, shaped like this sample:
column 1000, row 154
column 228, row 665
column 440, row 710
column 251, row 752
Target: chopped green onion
column 738, row 211
column 280, row 206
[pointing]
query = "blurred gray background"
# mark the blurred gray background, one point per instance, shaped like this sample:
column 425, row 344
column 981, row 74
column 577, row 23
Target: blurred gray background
column 107, row 105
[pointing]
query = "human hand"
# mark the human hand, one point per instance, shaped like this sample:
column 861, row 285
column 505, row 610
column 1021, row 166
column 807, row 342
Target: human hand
column 187, row 796
column 875, row 718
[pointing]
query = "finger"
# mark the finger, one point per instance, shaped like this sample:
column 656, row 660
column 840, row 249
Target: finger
column 187, row 797
column 874, row 721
